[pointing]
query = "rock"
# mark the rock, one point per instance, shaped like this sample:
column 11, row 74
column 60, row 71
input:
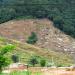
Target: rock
column 60, row 39
column 65, row 49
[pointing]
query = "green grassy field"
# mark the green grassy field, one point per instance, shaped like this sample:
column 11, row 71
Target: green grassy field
column 23, row 73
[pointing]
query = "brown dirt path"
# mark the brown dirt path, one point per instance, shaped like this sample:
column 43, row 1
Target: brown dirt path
column 59, row 72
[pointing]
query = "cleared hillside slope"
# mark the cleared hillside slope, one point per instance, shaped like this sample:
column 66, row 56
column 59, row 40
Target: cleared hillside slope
column 49, row 37
column 25, row 51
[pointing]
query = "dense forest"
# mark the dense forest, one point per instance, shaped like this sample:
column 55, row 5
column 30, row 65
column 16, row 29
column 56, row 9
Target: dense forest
column 61, row 12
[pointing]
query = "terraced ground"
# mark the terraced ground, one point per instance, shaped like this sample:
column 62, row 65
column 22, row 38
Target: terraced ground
column 25, row 51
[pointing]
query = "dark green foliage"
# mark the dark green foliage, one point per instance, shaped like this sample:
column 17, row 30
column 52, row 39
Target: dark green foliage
column 43, row 63
column 60, row 65
column 33, row 61
column 15, row 58
column 58, row 22
column 6, row 49
column 51, row 9
column 3, row 62
column 6, row 14
column 32, row 39
column 3, row 59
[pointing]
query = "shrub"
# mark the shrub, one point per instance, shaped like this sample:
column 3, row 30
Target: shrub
column 15, row 58
column 60, row 65
column 32, row 39
column 43, row 63
column 33, row 61
column 50, row 64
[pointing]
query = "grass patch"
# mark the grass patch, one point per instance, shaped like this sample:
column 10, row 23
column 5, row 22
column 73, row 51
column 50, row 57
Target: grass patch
column 25, row 52
column 23, row 73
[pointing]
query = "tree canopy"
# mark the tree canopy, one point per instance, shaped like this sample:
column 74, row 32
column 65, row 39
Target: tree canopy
column 4, row 60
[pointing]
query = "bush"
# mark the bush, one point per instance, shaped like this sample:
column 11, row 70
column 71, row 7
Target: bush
column 15, row 58
column 32, row 39
column 51, row 64
column 60, row 65
column 33, row 61
column 43, row 63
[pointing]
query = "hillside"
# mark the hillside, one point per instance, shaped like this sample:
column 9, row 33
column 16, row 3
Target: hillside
column 49, row 37
column 61, row 12
column 25, row 51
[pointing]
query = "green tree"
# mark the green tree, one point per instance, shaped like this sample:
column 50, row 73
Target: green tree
column 32, row 39
column 3, row 59
column 6, row 14
column 58, row 22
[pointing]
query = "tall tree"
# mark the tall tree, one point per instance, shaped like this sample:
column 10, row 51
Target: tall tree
column 3, row 59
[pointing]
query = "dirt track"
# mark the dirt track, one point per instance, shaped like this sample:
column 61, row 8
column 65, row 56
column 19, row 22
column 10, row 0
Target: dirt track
column 59, row 73
column 48, row 71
